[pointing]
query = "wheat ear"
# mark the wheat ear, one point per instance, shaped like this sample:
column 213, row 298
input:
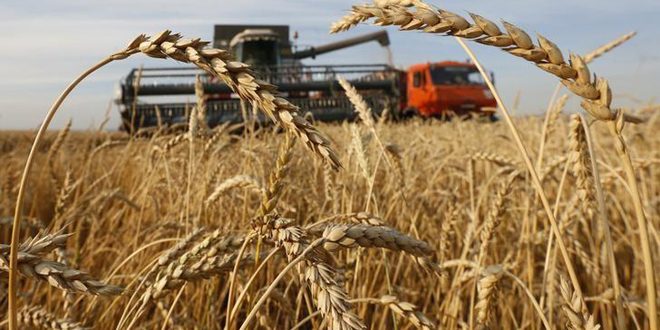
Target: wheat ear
column 331, row 298
column 573, row 307
column 239, row 181
column 575, row 75
column 31, row 264
column 272, row 194
column 494, row 158
column 493, row 218
column 348, row 236
column 361, row 106
column 581, row 160
column 486, row 288
column 39, row 318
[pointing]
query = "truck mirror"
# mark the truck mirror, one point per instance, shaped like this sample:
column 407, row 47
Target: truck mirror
column 492, row 77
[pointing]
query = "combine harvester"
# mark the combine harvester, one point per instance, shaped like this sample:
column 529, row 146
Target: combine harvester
column 160, row 97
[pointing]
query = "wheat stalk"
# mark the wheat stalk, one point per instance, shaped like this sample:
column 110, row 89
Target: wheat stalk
column 54, row 149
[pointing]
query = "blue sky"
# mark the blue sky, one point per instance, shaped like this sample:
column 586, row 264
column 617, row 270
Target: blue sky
column 47, row 43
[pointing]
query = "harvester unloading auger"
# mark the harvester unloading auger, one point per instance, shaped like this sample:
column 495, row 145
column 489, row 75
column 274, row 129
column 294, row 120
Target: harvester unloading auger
column 157, row 97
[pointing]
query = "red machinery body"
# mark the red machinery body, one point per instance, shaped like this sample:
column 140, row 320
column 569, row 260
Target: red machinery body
column 445, row 89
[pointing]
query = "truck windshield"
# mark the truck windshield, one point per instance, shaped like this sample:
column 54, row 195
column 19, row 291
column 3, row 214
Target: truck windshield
column 456, row 75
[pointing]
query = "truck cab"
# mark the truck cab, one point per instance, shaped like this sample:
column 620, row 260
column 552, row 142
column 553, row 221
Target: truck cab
column 446, row 89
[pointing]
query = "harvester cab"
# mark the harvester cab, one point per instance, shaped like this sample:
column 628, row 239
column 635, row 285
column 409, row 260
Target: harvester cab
column 257, row 47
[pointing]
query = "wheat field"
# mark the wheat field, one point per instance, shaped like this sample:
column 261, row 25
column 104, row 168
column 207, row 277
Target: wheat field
column 527, row 223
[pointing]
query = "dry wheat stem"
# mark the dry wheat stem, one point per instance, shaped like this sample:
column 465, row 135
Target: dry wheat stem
column 552, row 114
column 13, row 258
column 18, row 213
column 243, row 293
column 616, row 128
column 300, row 257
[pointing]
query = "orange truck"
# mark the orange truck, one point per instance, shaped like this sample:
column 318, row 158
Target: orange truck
column 445, row 89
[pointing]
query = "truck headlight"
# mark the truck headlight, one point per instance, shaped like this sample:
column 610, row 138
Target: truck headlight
column 488, row 94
